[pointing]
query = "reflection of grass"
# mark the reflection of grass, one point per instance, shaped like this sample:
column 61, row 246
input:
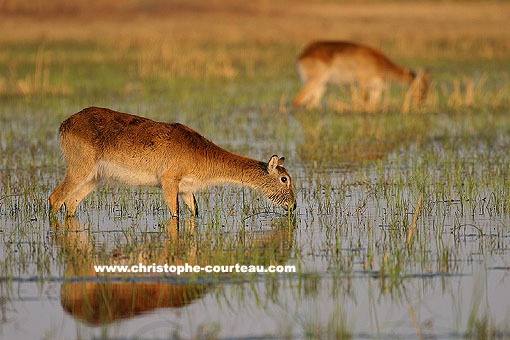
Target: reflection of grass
column 480, row 324
column 336, row 327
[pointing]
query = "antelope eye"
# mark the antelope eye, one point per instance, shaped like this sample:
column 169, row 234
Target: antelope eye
column 283, row 179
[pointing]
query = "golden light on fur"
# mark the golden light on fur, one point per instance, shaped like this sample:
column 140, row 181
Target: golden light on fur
column 101, row 144
column 342, row 62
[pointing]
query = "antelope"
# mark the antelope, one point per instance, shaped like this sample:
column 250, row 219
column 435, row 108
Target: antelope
column 342, row 62
column 99, row 144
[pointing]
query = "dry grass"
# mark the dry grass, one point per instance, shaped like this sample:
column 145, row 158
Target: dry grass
column 38, row 82
column 226, row 39
column 168, row 60
column 458, row 93
column 424, row 29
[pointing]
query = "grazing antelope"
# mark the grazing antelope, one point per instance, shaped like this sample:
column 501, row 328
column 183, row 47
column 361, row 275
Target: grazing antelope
column 102, row 144
column 342, row 62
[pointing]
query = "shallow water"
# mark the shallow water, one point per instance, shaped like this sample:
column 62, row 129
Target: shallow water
column 254, row 310
column 356, row 275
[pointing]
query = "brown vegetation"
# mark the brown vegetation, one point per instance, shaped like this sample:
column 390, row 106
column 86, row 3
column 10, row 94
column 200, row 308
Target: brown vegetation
column 424, row 29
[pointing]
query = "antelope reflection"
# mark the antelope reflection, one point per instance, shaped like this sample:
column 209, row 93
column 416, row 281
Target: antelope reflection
column 99, row 298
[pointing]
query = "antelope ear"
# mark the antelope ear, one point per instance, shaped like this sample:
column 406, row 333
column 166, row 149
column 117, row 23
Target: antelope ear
column 273, row 162
column 281, row 160
column 423, row 73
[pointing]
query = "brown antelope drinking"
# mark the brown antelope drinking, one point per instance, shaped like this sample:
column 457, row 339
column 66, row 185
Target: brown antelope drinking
column 342, row 62
column 101, row 144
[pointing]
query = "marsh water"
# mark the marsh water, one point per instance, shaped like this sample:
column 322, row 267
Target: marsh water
column 357, row 274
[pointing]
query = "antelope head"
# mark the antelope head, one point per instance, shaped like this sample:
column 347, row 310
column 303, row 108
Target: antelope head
column 277, row 184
